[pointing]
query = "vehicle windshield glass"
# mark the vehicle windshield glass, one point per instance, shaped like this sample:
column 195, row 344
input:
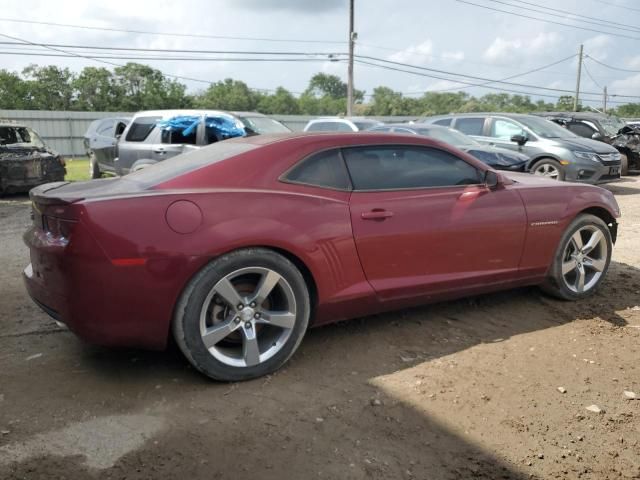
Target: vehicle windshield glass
column 188, row 162
column 447, row 135
column 18, row 137
column 612, row 125
column 264, row 125
column 546, row 128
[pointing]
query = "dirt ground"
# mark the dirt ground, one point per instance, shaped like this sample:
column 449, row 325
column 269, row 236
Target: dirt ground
column 465, row 389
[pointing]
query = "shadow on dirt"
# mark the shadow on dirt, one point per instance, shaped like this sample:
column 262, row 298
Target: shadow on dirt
column 314, row 417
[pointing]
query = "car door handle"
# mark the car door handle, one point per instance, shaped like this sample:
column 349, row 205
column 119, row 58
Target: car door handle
column 159, row 150
column 376, row 214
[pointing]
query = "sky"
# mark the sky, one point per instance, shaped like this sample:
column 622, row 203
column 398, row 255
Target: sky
column 446, row 35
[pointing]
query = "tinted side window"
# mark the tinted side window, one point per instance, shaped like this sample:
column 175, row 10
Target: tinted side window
column 470, row 126
column 324, row 169
column 141, row 128
column 106, row 128
column 404, row 167
column 445, row 122
column 581, row 129
column 505, row 129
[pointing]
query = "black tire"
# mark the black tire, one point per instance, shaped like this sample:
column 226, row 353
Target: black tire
column 556, row 283
column 550, row 162
column 94, row 168
column 624, row 164
column 187, row 327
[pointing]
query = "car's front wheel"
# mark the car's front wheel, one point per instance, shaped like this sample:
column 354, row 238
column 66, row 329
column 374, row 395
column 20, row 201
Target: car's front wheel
column 243, row 315
column 547, row 167
column 582, row 259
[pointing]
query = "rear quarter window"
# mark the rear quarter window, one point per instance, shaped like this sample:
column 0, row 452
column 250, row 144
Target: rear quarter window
column 470, row 126
column 141, row 128
column 323, row 169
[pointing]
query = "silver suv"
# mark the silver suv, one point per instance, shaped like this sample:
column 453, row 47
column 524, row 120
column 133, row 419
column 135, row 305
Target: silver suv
column 554, row 151
column 340, row 124
column 144, row 143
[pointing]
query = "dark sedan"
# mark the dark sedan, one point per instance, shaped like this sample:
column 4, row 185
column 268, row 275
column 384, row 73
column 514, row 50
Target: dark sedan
column 495, row 157
column 236, row 248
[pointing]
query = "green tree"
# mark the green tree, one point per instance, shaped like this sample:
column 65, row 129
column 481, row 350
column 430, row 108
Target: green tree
column 228, row 94
column 282, row 101
column 438, row 103
column 628, row 110
column 140, row 87
column 13, row 91
column 565, row 104
column 95, row 90
column 48, row 88
column 385, row 101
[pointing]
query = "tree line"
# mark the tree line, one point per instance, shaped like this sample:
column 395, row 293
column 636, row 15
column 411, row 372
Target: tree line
column 133, row 87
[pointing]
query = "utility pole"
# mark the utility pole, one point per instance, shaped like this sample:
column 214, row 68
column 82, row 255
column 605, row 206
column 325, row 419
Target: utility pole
column 352, row 38
column 576, row 98
column 604, row 101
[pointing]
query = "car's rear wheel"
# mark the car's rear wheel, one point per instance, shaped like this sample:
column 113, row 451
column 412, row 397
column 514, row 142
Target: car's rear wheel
column 94, row 168
column 243, row 315
column 582, row 259
column 547, row 167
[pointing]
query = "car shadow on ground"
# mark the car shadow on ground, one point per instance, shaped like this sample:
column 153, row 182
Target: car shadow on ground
column 314, row 417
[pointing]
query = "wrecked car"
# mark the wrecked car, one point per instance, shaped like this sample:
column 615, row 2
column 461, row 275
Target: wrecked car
column 606, row 128
column 153, row 136
column 25, row 160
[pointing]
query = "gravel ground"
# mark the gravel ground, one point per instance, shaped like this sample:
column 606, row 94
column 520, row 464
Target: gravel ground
column 491, row 387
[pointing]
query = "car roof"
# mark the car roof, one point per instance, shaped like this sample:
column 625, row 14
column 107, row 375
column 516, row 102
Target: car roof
column 413, row 125
column 178, row 112
column 578, row 115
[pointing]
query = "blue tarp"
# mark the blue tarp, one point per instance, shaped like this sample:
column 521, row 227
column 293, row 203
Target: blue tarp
column 225, row 127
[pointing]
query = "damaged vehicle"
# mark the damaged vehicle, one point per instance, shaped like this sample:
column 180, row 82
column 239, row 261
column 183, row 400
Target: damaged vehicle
column 606, row 128
column 25, row 160
column 153, row 136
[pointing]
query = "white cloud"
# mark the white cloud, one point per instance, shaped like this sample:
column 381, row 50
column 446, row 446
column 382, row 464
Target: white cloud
column 503, row 50
column 416, row 54
column 597, row 46
column 457, row 56
column 627, row 85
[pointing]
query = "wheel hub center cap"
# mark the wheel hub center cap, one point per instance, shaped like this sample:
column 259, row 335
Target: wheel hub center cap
column 246, row 314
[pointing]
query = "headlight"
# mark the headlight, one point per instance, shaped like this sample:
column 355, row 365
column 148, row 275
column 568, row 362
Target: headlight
column 587, row 156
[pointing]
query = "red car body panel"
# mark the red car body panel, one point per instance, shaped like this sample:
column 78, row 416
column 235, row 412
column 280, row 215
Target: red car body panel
column 128, row 255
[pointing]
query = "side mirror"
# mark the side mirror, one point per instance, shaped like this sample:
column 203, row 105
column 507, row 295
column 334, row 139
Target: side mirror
column 491, row 179
column 519, row 139
column 597, row 136
column 118, row 137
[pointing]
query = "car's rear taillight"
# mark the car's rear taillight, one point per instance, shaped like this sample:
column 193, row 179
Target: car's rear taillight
column 58, row 230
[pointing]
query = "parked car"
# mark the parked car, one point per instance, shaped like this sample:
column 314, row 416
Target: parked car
column 495, row 157
column 605, row 128
column 555, row 151
column 236, row 248
column 340, row 124
column 147, row 140
column 100, row 141
column 25, row 160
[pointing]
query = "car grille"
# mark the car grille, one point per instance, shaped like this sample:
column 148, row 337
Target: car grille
column 610, row 158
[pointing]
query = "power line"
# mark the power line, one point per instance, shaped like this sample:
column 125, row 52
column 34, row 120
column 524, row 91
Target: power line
column 544, row 20
column 171, row 34
column 472, row 77
column 172, row 50
column 590, row 20
column 611, row 67
column 617, row 5
column 586, row 70
column 169, row 59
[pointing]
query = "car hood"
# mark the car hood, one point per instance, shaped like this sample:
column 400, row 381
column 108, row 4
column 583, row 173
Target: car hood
column 20, row 153
column 585, row 145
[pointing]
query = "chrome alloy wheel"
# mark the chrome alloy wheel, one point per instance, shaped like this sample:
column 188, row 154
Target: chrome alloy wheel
column 248, row 316
column 584, row 259
column 547, row 170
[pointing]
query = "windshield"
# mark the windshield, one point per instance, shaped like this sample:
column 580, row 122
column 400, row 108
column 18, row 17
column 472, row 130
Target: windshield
column 545, row 128
column 612, row 125
column 263, row 125
column 11, row 136
column 447, row 135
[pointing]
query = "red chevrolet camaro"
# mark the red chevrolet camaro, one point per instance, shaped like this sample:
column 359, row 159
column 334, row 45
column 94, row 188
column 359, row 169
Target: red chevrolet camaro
column 237, row 248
